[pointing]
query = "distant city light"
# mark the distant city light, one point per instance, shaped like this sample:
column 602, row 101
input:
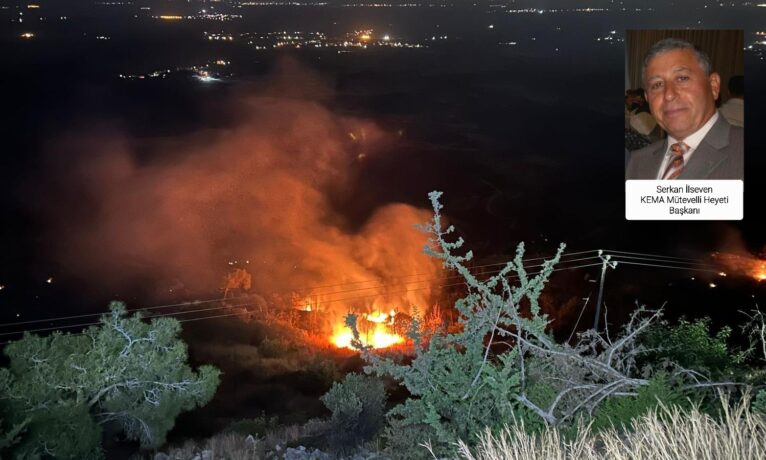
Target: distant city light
column 27, row 35
column 170, row 17
column 205, row 77
column 33, row 6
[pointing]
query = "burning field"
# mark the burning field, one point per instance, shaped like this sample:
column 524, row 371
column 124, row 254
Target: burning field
column 742, row 264
column 173, row 214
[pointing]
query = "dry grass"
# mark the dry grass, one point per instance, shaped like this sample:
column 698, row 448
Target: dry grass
column 235, row 446
column 667, row 433
column 229, row 446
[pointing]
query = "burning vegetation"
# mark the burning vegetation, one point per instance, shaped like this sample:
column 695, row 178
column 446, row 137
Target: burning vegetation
column 742, row 264
column 375, row 331
column 263, row 191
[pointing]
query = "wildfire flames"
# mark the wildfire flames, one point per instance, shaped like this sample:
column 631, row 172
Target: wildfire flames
column 268, row 190
column 379, row 337
column 743, row 264
column 374, row 332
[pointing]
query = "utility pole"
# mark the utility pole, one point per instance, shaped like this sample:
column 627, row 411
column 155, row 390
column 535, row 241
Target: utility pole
column 605, row 263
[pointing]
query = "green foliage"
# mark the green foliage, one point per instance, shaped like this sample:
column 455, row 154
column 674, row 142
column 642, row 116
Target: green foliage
column 500, row 366
column 457, row 385
column 620, row 412
column 12, row 436
column 403, row 438
column 689, row 345
column 124, row 372
column 356, row 404
column 759, row 403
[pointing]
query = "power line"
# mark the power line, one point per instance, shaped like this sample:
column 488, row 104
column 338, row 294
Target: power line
column 648, row 257
column 68, row 326
column 472, row 268
column 621, row 257
column 345, row 299
column 493, row 272
column 670, row 266
column 199, row 302
column 155, row 307
column 615, row 252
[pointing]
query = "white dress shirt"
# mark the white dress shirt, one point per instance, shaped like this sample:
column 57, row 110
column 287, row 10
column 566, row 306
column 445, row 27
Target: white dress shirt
column 692, row 141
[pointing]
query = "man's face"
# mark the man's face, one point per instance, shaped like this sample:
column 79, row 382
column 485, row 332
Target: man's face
column 680, row 95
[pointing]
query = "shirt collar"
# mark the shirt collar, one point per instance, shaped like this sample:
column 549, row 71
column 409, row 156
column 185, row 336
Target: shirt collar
column 693, row 140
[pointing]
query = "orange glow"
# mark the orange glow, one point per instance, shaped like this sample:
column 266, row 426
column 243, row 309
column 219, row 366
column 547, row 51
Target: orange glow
column 288, row 227
column 27, row 35
column 171, row 17
column 378, row 337
column 743, row 264
column 365, row 37
column 377, row 317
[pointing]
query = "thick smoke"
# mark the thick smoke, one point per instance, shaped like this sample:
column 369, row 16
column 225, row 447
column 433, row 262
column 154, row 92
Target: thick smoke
column 173, row 214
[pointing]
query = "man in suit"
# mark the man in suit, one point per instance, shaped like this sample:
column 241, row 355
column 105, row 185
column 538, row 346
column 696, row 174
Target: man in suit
column 681, row 90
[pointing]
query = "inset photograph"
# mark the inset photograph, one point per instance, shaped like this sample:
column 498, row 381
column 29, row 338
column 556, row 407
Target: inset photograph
column 684, row 104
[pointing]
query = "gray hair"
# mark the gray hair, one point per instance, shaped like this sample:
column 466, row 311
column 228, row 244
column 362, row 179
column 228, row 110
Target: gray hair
column 670, row 44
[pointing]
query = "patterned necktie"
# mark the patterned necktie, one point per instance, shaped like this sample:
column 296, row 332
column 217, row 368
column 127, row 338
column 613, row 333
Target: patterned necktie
column 676, row 163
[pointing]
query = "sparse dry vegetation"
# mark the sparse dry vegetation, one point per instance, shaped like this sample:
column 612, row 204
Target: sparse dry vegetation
column 664, row 433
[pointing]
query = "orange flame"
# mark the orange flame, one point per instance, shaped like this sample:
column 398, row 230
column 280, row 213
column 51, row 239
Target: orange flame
column 377, row 337
column 743, row 264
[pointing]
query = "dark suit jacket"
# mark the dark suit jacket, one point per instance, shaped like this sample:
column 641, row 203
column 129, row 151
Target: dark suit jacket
column 720, row 155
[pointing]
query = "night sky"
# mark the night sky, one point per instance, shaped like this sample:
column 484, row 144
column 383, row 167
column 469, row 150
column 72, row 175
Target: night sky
column 143, row 157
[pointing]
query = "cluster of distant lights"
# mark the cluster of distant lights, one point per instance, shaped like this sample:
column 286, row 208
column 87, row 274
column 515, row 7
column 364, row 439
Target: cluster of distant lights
column 357, row 39
column 556, row 10
column 282, row 4
column 347, row 5
column 611, row 38
column 206, row 16
column 759, row 46
column 201, row 73
column 391, row 5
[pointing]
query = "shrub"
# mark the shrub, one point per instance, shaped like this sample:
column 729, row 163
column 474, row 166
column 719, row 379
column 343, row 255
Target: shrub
column 690, row 345
column 620, row 412
column 759, row 404
column 126, row 373
column 356, row 404
column 502, row 366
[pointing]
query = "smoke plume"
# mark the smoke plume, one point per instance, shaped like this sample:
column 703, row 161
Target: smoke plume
column 176, row 214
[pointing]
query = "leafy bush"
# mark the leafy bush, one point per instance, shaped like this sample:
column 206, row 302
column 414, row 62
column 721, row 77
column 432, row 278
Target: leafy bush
column 759, row 404
column 690, row 345
column 126, row 373
column 501, row 366
column 356, row 404
column 618, row 413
